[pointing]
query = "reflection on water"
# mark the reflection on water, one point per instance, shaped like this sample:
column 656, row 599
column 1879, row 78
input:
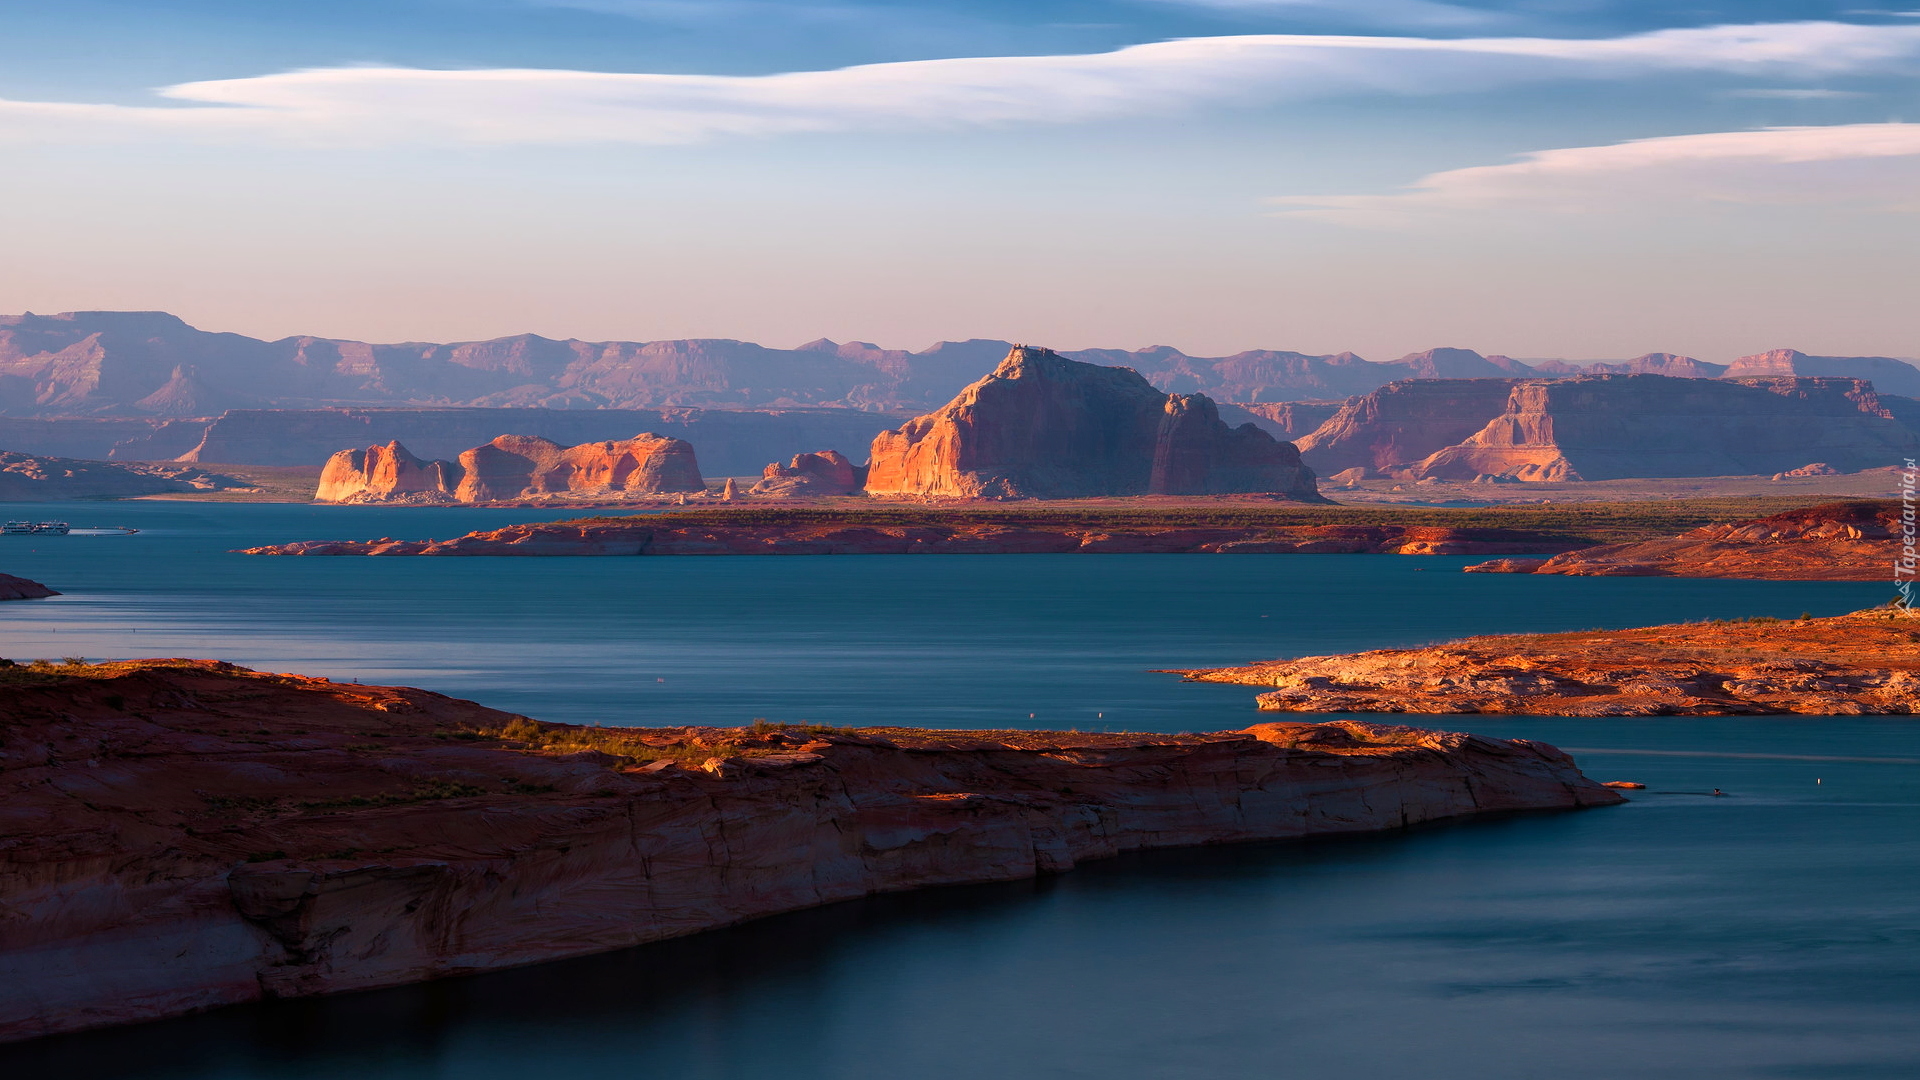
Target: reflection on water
column 1771, row 933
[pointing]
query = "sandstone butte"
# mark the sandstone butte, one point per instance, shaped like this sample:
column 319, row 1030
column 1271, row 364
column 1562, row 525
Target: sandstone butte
column 1845, row 541
column 826, row 472
column 1043, row 426
column 703, row 534
column 185, row 834
column 19, row 588
column 1864, row 663
column 513, row 467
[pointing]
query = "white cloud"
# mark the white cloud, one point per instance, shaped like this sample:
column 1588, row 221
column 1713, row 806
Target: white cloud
column 1875, row 166
column 1376, row 12
column 381, row 105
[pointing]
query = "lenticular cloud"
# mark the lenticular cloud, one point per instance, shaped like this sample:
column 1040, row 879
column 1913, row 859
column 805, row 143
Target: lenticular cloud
column 1875, row 166
column 384, row 105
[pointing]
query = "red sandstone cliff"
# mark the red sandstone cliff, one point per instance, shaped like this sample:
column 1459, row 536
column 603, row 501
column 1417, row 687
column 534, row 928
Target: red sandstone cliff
column 179, row 835
column 1043, row 426
column 1846, row 541
column 513, row 467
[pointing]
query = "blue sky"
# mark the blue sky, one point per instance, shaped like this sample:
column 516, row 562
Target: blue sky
column 1569, row 178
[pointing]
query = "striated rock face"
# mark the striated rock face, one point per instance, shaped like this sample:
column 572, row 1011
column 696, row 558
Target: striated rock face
column 1865, row 663
column 1043, row 426
column 1846, row 541
column 181, row 835
column 827, row 472
column 19, row 588
column 703, row 534
column 513, row 467
column 1403, row 422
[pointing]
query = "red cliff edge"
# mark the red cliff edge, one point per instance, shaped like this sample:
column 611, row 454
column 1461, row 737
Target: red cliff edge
column 185, row 834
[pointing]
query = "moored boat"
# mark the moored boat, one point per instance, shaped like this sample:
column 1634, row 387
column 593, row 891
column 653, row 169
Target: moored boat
column 16, row 527
column 58, row 528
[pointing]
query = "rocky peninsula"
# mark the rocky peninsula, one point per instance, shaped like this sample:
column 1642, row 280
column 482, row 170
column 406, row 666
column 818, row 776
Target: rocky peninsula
column 185, row 834
column 710, row 533
column 19, row 588
column 1864, row 663
column 1846, row 541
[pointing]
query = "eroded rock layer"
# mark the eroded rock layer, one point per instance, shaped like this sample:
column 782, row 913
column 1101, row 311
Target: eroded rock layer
column 185, row 834
column 1043, row 426
column 1847, row 541
column 513, row 467
column 1867, row 662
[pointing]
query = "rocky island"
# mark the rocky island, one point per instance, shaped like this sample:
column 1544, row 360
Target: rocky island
column 19, row 588
column 1864, row 663
column 1847, row 541
column 184, row 834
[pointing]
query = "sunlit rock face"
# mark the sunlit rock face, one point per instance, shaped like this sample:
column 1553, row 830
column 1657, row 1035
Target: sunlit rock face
column 1042, row 426
column 511, row 467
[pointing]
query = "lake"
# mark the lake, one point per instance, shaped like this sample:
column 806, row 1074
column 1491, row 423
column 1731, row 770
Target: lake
column 1772, row 933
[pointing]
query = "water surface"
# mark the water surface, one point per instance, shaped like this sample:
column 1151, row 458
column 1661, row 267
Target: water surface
column 1769, row 933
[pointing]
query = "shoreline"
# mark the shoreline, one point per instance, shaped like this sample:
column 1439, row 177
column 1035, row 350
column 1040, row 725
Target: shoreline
column 189, row 834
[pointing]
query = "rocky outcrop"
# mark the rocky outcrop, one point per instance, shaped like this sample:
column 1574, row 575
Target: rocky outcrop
column 1043, row 426
column 1403, row 422
column 19, row 588
column 1847, row 541
column 732, row 442
column 1888, row 376
column 29, row 478
column 1865, row 663
column 386, row 474
column 514, row 467
column 827, row 472
column 181, row 835
column 1608, row 427
column 718, row 534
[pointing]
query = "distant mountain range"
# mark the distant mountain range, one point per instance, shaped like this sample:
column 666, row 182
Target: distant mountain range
column 115, row 363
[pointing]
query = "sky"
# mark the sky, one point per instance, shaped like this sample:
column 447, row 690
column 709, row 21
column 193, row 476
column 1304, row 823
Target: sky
column 1584, row 179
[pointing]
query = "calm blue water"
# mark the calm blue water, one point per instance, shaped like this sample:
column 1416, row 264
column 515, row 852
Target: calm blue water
column 1774, row 933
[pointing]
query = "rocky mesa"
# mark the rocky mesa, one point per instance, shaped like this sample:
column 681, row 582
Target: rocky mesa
column 180, row 835
column 514, row 467
column 1043, row 426
column 1844, row 541
column 1864, row 663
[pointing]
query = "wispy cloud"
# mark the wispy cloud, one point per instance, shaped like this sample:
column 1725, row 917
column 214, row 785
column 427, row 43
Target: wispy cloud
column 381, row 105
column 1874, row 166
column 1796, row 94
